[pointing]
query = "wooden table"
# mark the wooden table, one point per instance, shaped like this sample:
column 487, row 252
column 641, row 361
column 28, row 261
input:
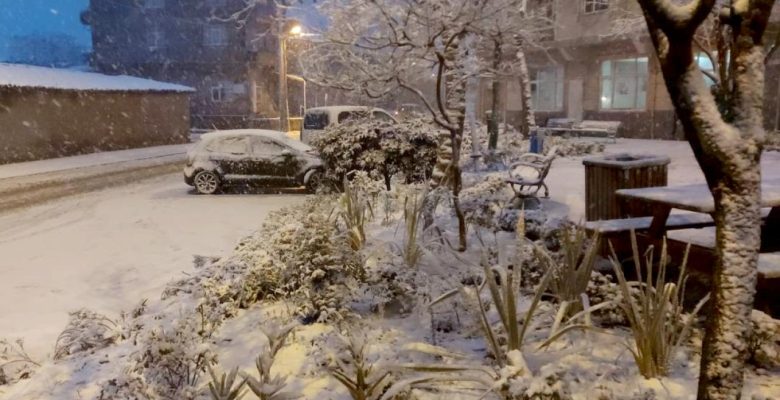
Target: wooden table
column 697, row 198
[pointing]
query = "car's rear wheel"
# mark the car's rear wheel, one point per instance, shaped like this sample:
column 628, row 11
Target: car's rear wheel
column 314, row 181
column 207, row 182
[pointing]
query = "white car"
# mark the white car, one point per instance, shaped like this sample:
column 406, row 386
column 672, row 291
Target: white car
column 315, row 120
column 251, row 156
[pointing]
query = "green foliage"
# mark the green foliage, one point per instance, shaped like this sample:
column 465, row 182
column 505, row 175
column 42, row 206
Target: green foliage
column 359, row 376
column 412, row 250
column 654, row 309
column 354, row 209
column 267, row 386
column 379, row 147
column 225, row 387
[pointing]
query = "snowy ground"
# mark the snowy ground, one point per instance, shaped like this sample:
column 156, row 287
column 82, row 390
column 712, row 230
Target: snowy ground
column 107, row 250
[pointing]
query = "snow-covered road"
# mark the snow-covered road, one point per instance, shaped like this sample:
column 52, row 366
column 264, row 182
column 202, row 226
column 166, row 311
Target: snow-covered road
column 107, row 250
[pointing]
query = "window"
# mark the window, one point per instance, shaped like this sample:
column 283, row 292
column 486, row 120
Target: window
column 315, row 120
column 594, row 6
column 382, row 116
column 215, row 36
column 624, row 84
column 154, row 38
column 230, row 145
column 265, row 147
column 705, row 64
column 547, row 89
column 218, row 94
column 352, row 115
column 154, row 4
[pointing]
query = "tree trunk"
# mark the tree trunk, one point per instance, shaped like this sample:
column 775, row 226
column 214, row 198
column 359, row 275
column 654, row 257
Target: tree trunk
column 527, row 113
column 738, row 240
column 496, row 88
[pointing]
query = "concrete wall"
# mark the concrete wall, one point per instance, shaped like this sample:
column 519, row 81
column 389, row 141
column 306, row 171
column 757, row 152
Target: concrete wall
column 38, row 124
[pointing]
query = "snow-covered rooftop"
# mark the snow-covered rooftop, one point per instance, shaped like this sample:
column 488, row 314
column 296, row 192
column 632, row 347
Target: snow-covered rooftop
column 17, row 75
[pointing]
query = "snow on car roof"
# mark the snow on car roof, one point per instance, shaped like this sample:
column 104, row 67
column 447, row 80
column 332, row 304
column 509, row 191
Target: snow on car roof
column 18, row 75
column 257, row 132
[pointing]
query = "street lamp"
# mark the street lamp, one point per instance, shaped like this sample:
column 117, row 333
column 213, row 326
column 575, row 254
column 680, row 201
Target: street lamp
column 287, row 29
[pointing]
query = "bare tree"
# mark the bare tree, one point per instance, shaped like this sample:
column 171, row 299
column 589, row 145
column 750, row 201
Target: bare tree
column 377, row 47
column 727, row 144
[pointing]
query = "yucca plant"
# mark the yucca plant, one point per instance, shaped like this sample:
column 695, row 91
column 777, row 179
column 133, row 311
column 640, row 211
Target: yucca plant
column 412, row 250
column 354, row 211
column 267, row 386
column 569, row 278
column 654, row 309
column 224, row 387
column 359, row 376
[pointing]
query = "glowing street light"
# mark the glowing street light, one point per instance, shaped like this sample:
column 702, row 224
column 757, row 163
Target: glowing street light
column 296, row 30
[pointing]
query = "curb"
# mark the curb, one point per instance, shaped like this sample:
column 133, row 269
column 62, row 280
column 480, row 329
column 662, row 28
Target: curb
column 61, row 184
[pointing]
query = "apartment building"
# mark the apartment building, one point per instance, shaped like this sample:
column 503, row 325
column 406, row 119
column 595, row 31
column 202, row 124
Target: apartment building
column 224, row 51
column 599, row 64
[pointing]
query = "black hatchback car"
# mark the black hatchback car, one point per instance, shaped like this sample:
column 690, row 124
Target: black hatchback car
column 251, row 156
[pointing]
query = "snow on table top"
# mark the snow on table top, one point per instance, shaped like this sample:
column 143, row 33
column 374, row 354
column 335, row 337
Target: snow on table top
column 17, row 75
column 697, row 197
column 89, row 160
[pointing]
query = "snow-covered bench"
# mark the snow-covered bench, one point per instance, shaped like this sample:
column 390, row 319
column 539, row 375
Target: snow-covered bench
column 565, row 126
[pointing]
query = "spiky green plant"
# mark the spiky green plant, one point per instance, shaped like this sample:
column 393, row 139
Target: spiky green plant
column 570, row 277
column 224, row 387
column 359, row 376
column 354, row 211
column 267, row 386
column 412, row 250
column 654, row 309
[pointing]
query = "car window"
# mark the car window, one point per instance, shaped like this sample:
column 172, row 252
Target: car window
column 348, row 115
column 381, row 116
column 231, row 145
column 316, row 120
column 266, row 147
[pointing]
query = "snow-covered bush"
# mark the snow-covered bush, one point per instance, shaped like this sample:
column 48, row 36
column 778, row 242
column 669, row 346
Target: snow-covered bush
column 15, row 362
column 172, row 359
column 764, row 345
column 573, row 147
column 86, row 331
column 130, row 385
column 381, row 148
column 484, row 202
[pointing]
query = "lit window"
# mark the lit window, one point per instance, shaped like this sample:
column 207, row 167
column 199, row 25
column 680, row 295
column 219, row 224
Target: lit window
column 594, row 6
column 154, row 4
column 215, row 36
column 705, row 64
column 624, row 84
column 547, row 89
column 218, row 94
column 154, row 38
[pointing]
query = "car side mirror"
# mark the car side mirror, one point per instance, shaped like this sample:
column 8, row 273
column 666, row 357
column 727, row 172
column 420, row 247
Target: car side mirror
column 287, row 153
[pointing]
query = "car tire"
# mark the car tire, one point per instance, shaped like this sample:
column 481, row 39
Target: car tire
column 207, row 182
column 314, row 181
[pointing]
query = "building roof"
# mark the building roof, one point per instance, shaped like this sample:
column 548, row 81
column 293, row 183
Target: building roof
column 27, row 76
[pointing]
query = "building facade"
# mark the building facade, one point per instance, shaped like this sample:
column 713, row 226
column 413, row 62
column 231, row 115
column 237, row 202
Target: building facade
column 219, row 47
column 599, row 64
column 49, row 113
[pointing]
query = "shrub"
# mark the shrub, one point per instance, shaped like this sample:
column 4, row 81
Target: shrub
column 484, row 202
column 654, row 311
column 86, row 330
column 381, row 148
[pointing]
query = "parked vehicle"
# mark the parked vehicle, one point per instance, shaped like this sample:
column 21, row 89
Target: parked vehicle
column 251, row 156
column 315, row 120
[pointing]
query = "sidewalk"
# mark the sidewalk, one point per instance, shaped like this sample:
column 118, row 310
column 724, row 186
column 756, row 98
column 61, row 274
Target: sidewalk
column 27, row 183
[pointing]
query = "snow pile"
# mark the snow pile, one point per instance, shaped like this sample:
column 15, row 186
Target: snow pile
column 27, row 76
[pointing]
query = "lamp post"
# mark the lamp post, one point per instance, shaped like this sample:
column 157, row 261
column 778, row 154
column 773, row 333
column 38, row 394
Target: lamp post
column 303, row 81
column 285, row 32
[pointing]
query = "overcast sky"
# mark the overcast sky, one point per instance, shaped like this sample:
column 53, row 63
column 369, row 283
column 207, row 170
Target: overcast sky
column 21, row 17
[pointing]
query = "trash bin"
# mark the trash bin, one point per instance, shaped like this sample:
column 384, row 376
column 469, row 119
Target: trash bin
column 536, row 137
column 606, row 174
